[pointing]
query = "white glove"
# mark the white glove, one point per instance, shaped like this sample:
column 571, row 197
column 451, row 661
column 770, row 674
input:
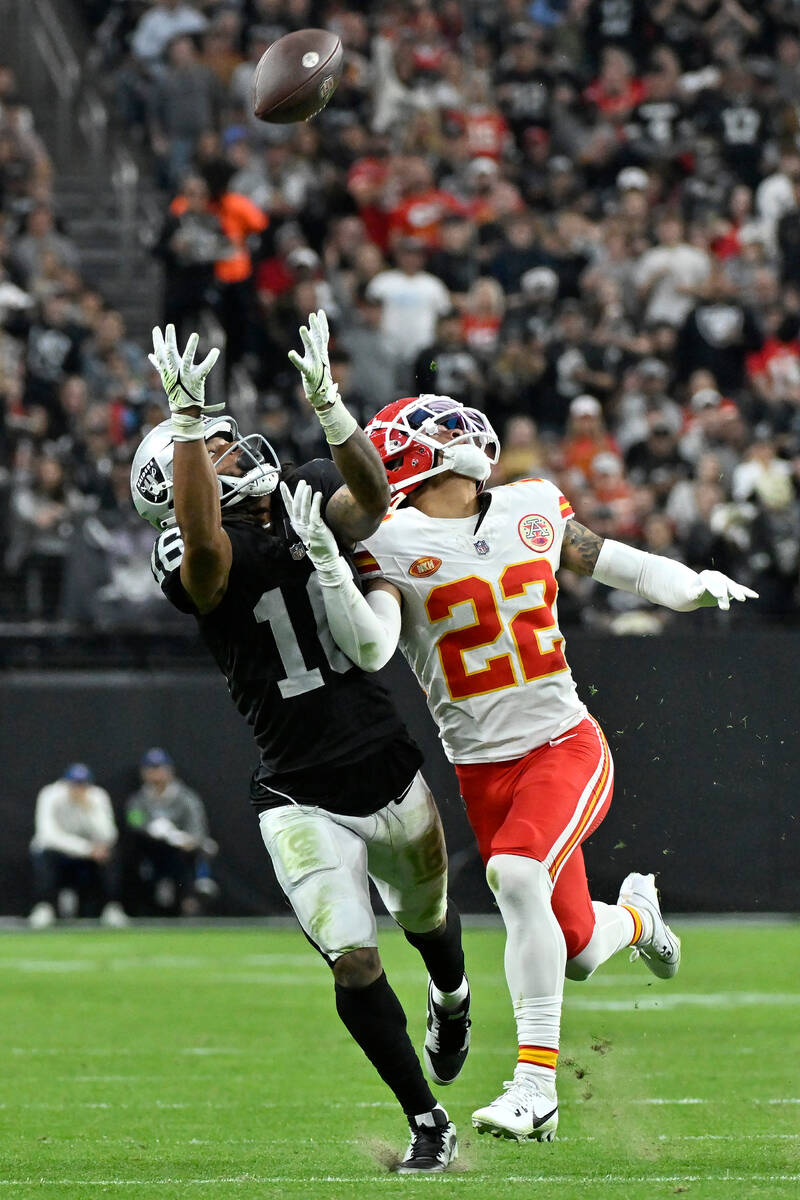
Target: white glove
column 184, row 382
column 321, row 392
column 716, row 590
column 304, row 512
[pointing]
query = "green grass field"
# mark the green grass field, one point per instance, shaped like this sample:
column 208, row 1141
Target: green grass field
column 210, row 1063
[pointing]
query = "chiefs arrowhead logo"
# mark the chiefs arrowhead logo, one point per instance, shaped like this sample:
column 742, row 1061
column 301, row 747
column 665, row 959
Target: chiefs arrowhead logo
column 424, row 566
column 536, row 532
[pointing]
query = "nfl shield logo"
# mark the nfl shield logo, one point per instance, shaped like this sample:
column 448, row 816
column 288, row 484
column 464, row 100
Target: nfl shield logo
column 297, row 551
column 481, row 546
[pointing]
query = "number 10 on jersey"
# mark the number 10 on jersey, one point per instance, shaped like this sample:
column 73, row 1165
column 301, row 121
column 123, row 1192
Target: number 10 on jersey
column 530, row 661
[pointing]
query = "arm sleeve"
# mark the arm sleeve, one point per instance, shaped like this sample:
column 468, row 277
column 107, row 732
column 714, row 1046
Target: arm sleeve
column 365, row 628
column 655, row 578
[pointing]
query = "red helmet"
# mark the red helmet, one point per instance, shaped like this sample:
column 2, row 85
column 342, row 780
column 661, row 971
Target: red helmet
column 404, row 434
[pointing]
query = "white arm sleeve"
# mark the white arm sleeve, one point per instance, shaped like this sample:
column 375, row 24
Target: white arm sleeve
column 655, row 578
column 365, row 628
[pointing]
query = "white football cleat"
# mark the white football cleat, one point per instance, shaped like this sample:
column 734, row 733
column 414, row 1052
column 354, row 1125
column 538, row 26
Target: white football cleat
column 42, row 915
column 526, row 1111
column 662, row 950
column 433, row 1144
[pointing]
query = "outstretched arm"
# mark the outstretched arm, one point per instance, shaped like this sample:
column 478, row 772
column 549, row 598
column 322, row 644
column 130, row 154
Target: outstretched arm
column 207, row 557
column 652, row 576
column 355, row 510
column 365, row 628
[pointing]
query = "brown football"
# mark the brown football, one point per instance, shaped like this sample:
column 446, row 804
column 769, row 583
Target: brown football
column 297, row 75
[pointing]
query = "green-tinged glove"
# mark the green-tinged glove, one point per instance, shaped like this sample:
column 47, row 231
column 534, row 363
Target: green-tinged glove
column 321, row 392
column 304, row 511
column 184, row 382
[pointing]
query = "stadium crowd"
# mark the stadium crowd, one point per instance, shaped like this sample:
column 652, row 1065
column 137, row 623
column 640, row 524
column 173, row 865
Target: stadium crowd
column 582, row 216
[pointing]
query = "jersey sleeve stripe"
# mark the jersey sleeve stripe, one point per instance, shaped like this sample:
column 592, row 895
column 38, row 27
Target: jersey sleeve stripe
column 566, row 507
column 365, row 564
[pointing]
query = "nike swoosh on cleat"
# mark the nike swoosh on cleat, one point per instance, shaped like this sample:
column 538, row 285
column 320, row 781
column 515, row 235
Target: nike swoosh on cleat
column 537, row 1121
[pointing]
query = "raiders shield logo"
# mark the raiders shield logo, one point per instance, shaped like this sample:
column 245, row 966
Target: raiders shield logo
column 151, row 482
column 536, row 532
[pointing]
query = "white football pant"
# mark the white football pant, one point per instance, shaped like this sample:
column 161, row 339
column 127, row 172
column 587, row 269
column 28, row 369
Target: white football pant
column 324, row 861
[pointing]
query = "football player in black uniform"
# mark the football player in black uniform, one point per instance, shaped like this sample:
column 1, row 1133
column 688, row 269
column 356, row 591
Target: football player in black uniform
column 338, row 791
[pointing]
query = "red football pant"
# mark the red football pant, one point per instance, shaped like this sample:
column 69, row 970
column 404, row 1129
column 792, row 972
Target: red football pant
column 543, row 806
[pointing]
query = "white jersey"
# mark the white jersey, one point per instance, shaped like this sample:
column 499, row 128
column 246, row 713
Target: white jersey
column 480, row 627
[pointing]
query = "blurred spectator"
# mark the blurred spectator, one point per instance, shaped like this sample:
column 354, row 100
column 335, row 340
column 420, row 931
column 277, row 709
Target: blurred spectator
column 412, row 300
column 164, row 21
column 374, row 369
column 586, row 435
column 186, row 102
column 669, row 275
column 449, row 366
column 190, row 243
column 167, row 843
column 72, row 851
column 39, row 239
column 43, row 510
column 239, row 220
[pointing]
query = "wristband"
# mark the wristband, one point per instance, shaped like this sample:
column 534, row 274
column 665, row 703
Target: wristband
column 337, row 423
column 186, row 428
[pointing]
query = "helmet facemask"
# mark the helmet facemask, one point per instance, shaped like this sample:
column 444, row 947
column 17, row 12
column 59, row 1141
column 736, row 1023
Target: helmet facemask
column 256, row 459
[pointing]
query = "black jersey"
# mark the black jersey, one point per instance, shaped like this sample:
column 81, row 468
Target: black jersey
column 312, row 711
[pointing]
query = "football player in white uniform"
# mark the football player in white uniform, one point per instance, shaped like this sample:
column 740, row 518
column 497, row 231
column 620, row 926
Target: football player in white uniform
column 464, row 580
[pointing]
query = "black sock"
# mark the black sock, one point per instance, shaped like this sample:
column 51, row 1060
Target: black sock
column 442, row 953
column 375, row 1019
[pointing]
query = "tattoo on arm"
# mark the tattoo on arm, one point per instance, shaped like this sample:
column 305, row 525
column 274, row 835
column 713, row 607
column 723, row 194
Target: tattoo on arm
column 580, row 548
column 347, row 518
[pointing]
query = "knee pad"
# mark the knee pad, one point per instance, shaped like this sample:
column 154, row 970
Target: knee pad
column 515, row 879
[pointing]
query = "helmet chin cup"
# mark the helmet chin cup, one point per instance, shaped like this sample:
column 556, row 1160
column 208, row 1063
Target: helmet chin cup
column 464, row 458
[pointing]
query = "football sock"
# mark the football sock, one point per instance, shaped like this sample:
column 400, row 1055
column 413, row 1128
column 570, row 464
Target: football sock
column 375, row 1019
column 443, row 955
column 535, row 957
column 538, row 1033
column 616, row 926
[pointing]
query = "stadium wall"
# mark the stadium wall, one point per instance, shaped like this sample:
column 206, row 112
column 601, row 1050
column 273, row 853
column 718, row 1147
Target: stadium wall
column 704, row 731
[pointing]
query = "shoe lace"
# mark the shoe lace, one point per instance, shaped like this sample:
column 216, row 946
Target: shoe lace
column 450, row 1029
column 523, row 1090
column 426, row 1141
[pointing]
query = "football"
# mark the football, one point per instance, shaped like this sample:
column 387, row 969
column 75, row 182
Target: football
column 297, row 75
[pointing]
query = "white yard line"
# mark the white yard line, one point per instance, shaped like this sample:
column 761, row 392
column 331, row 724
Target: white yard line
column 462, row 1177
